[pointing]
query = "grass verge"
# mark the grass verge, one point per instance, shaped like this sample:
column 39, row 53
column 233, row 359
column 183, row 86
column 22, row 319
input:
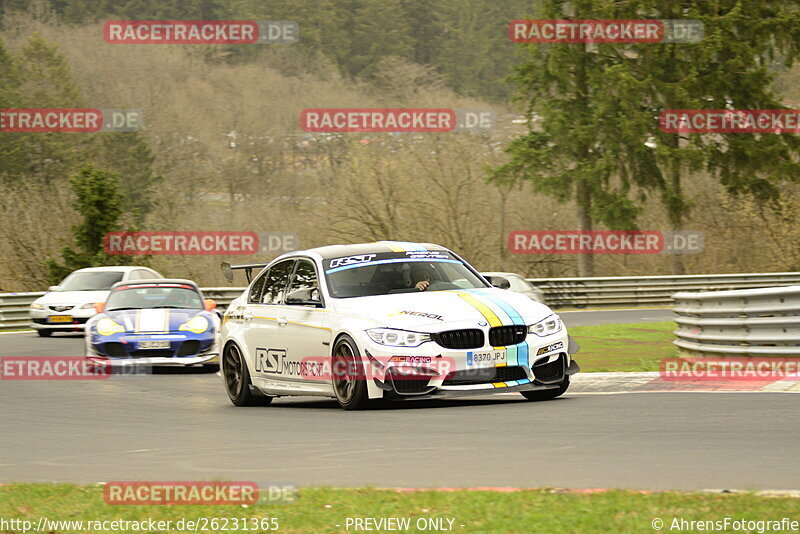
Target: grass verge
column 320, row 510
column 624, row 347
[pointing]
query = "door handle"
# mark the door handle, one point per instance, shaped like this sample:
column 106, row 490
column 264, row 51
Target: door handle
column 282, row 321
column 247, row 316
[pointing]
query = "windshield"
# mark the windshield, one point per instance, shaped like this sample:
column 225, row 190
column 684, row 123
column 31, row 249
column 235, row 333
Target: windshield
column 91, row 280
column 154, row 296
column 397, row 272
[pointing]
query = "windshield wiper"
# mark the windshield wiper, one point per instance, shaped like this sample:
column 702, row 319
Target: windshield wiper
column 125, row 308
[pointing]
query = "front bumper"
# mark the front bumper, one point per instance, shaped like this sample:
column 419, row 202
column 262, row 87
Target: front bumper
column 121, row 350
column 441, row 393
column 432, row 371
column 147, row 362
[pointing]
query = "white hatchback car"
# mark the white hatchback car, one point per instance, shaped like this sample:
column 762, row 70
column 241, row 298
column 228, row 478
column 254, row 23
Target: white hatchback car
column 67, row 306
column 392, row 320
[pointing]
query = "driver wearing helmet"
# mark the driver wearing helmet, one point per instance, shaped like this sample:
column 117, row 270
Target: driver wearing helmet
column 420, row 276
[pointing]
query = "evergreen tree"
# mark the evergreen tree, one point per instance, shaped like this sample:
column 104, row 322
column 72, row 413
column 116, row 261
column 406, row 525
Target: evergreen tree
column 99, row 201
column 598, row 134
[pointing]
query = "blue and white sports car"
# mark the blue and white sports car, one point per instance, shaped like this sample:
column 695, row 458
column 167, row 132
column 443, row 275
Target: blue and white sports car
column 154, row 322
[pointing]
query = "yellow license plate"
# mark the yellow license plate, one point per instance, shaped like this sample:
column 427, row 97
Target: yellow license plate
column 60, row 319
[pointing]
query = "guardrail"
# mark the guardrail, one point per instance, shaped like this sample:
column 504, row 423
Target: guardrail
column 635, row 291
column 14, row 309
column 597, row 292
column 747, row 322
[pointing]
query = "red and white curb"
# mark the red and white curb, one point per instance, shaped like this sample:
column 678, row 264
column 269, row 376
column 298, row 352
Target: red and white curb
column 600, row 383
column 793, row 494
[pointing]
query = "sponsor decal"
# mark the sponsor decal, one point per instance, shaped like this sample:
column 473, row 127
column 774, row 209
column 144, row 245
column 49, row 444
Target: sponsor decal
column 606, row 31
column 418, row 314
column 412, row 359
column 200, row 32
column 550, row 348
column 181, row 243
column 733, row 368
column 274, row 361
column 730, row 121
column 85, row 120
column 351, row 260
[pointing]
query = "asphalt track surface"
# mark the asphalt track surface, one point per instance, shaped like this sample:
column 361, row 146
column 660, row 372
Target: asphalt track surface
column 179, row 425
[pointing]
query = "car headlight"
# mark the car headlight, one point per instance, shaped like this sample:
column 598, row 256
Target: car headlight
column 197, row 325
column 36, row 306
column 545, row 327
column 106, row 327
column 87, row 306
column 397, row 338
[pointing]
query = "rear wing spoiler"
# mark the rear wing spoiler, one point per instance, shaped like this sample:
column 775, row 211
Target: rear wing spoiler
column 227, row 269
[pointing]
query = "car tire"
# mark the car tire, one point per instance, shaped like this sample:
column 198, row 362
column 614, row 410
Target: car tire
column 44, row 333
column 347, row 375
column 236, row 377
column 547, row 394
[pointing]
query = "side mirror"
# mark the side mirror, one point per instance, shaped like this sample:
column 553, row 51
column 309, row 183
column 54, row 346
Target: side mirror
column 54, row 288
column 499, row 282
column 99, row 307
column 304, row 297
column 210, row 304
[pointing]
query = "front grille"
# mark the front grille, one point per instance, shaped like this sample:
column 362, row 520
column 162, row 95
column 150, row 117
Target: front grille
column 501, row 336
column 460, row 339
column 485, row 375
column 61, row 308
column 408, row 384
column 552, row 372
column 150, row 353
column 115, row 350
column 189, row 347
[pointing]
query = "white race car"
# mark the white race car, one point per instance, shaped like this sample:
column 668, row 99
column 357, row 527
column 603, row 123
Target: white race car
column 392, row 320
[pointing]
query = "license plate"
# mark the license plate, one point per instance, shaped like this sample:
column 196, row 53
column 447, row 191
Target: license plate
column 60, row 319
column 154, row 344
column 487, row 358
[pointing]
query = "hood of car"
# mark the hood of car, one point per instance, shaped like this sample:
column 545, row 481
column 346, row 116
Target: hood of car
column 441, row 310
column 71, row 298
column 154, row 319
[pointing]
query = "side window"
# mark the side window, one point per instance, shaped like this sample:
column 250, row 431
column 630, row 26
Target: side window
column 134, row 275
column 275, row 282
column 256, row 289
column 143, row 274
column 305, row 280
column 151, row 274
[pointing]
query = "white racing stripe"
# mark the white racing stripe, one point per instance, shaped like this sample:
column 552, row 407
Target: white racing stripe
column 152, row 320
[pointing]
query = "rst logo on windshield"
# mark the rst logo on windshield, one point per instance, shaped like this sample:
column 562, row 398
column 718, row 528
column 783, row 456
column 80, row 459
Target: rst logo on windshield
column 351, row 260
